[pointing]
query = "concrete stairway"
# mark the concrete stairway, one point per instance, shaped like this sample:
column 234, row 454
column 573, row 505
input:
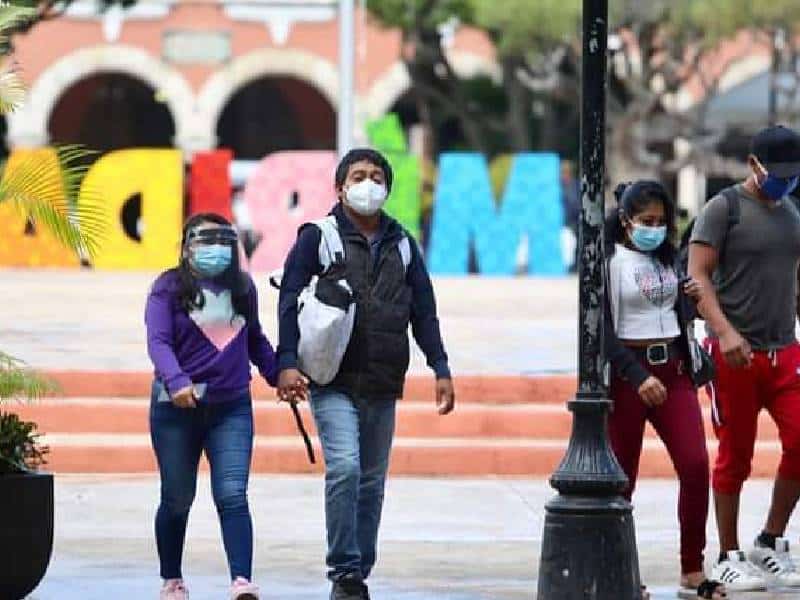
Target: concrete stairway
column 512, row 426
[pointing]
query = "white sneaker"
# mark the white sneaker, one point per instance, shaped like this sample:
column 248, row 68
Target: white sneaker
column 776, row 564
column 242, row 589
column 174, row 589
column 737, row 574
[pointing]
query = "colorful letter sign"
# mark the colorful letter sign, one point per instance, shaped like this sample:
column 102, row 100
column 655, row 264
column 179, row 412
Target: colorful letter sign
column 143, row 200
column 210, row 183
column 286, row 190
column 156, row 176
column 465, row 216
column 387, row 136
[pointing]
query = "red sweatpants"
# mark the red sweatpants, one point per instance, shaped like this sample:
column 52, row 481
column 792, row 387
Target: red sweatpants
column 738, row 395
column 679, row 424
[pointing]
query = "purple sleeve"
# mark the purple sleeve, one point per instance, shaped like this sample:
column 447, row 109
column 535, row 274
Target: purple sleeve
column 261, row 353
column 160, row 339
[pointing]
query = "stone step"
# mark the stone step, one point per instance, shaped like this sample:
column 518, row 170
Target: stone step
column 415, row 419
column 502, row 426
column 472, row 389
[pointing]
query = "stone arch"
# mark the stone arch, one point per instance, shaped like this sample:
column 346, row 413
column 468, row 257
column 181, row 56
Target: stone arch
column 28, row 126
column 223, row 85
column 387, row 90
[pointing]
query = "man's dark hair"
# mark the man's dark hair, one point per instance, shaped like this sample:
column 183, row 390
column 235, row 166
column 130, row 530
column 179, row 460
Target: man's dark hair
column 364, row 154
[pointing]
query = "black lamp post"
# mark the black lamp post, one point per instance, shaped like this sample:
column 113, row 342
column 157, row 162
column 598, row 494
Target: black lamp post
column 589, row 547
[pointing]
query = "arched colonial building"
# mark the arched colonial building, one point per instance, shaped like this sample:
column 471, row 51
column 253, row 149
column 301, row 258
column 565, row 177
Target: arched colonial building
column 251, row 75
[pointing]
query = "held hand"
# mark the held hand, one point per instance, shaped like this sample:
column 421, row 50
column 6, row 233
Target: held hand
column 445, row 396
column 185, row 398
column 735, row 349
column 652, row 392
column 693, row 289
column 292, row 386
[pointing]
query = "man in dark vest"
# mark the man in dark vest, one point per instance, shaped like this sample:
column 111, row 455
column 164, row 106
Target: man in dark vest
column 355, row 413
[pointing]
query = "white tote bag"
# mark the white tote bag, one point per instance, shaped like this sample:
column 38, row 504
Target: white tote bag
column 326, row 310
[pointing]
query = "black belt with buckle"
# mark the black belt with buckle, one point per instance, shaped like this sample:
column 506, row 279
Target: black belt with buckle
column 658, row 354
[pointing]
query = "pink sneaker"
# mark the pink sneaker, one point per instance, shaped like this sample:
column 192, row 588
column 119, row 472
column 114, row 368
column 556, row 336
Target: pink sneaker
column 241, row 589
column 174, row 589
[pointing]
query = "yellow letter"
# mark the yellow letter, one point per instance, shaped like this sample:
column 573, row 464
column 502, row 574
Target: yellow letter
column 34, row 247
column 155, row 175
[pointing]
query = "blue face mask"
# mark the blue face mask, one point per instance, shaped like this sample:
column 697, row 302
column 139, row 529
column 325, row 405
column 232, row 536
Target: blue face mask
column 648, row 239
column 212, row 260
column 776, row 188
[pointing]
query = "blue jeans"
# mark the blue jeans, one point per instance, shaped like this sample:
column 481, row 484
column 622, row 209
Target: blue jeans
column 179, row 435
column 356, row 437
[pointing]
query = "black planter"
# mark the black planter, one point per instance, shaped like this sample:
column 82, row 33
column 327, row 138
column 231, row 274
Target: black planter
column 26, row 532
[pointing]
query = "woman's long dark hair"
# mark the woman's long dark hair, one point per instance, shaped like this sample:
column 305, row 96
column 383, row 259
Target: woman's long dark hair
column 190, row 296
column 632, row 199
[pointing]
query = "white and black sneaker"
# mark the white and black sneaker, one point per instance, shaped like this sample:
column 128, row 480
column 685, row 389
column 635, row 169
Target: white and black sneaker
column 777, row 564
column 737, row 574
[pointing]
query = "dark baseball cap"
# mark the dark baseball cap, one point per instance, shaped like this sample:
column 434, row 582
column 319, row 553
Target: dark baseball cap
column 778, row 149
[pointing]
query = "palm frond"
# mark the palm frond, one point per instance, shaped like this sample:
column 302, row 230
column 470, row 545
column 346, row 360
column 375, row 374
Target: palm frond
column 12, row 89
column 46, row 186
column 12, row 16
column 18, row 381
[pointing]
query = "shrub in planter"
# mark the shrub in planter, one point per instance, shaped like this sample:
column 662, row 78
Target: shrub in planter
column 26, row 495
column 20, row 451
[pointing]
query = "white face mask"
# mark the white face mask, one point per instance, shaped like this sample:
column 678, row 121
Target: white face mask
column 366, row 197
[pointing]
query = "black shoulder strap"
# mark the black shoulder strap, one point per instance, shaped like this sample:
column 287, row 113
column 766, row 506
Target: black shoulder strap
column 734, row 207
column 734, row 215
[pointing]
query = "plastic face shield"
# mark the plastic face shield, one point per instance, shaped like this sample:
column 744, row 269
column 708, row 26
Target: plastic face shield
column 209, row 236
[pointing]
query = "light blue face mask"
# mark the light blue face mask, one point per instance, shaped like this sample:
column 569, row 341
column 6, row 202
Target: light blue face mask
column 648, row 239
column 211, row 260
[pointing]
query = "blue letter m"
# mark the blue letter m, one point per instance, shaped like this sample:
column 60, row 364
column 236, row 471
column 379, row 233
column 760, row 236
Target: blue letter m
column 464, row 213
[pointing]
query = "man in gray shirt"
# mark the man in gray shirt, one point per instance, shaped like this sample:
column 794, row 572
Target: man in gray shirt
column 744, row 253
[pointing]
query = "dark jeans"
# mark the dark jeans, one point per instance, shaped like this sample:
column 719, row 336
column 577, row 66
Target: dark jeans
column 225, row 432
column 356, row 437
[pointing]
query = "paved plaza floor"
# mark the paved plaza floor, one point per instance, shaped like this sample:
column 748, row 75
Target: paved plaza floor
column 94, row 321
column 441, row 539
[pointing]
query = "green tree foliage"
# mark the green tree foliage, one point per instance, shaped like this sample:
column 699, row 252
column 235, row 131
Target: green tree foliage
column 438, row 91
column 664, row 44
column 528, row 28
column 537, row 49
column 419, row 15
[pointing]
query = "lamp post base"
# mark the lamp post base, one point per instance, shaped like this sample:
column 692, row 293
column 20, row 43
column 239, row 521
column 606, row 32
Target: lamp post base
column 589, row 550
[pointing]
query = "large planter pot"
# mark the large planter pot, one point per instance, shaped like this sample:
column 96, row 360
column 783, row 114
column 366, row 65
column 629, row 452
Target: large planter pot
column 26, row 532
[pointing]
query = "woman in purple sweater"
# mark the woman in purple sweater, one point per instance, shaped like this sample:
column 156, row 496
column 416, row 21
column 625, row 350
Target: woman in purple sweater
column 202, row 333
